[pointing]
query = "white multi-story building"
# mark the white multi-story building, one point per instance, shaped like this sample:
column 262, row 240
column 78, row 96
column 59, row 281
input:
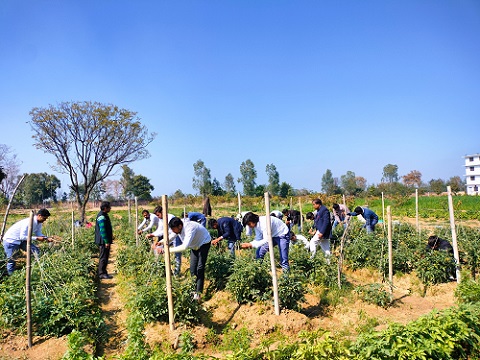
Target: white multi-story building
column 472, row 174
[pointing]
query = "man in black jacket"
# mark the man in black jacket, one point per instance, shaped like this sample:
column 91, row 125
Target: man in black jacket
column 228, row 228
column 103, row 238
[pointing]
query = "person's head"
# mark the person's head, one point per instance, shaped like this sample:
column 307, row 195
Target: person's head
column 176, row 225
column 275, row 215
column 317, row 203
column 145, row 214
column 433, row 242
column 310, row 215
column 285, row 211
column 158, row 211
column 336, row 207
column 212, row 224
column 42, row 215
column 250, row 219
column 105, row 206
column 358, row 210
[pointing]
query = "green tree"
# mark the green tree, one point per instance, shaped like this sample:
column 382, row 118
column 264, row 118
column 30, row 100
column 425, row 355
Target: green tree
column 273, row 179
column 349, row 185
column 330, row 184
column 37, row 188
column 390, row 173
column 126, row 182
column 260, row 190
column 141, row 187
column 217, row 188
column 89, row 140
column 437, row 186
column 456, row 184
column 229, row 184
column 248, row 176
column 285, row 190
column 202, row 180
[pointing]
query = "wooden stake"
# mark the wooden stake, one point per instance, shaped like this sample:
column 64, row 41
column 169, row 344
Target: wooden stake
column 168, row 268
column 454, row 234
column 27, row 280
column 301, row 213
column 390, row 249
column 136, row 222
column 340, row 259
column 416, row 212
column 383, row 213
column 272, row 256
column 239, row 204
column 73, row 229
column 129, row 211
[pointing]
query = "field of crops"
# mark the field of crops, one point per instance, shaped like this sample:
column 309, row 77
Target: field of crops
column 127, row 317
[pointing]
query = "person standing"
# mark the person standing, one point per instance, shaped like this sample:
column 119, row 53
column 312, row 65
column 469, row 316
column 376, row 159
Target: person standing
column 340, row 212
column 228, row 228
column 196, row 238
column 322, row 229
column 280, row 237
column 104, row 238
column 16, row 237
column 371, row 219
column 207, row 208
column 149, row 222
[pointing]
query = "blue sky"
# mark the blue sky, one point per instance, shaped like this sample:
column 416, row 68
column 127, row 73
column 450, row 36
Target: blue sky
column 305, row 85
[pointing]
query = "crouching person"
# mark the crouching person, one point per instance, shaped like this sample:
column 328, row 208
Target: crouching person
column 280, row 237
column 196, row 238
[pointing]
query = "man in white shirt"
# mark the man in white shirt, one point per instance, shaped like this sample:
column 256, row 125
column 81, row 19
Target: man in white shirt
column 16, row 237
column 196, row 238
column 280, row 237
column 149, row 221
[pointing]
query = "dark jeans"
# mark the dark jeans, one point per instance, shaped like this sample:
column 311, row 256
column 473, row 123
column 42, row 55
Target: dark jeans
column 103, row 259
column 198, row 260
column 11, row 251
column 283, row 243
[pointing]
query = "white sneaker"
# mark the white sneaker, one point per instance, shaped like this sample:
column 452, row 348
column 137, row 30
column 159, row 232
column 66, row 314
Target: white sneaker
column 196, row 297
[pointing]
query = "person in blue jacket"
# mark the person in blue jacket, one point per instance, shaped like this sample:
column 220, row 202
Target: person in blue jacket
column 197, row 217
column 229, row 229
column 322, row 229
column 371, row 219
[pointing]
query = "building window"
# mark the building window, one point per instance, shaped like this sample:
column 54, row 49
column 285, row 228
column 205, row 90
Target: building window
column 472, row 178
column 472, row 168
column 470, row 158
column 475, row 188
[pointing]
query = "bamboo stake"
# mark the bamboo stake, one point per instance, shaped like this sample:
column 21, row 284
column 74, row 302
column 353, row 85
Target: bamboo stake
column 301, row 213
column 8, row 207
column 73, row 229
column 136, row 222
column 27, row 280
column 272, row 256
column 239, row 204
column 168, row 268
column 129, row 211
column 454, row 234
column 340, row 259
column 416, row 212
column 383, row 213
column 390, row 249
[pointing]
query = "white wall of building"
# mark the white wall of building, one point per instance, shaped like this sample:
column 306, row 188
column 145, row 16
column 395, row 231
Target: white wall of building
column 472, row 174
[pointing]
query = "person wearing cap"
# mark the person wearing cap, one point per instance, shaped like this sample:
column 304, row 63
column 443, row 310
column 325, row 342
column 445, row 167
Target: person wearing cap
column 16, row 237
column 103, row 238
column 371, row 219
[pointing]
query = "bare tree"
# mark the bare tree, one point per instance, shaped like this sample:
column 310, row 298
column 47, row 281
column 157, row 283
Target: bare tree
column 10, row 169
column 89, row 140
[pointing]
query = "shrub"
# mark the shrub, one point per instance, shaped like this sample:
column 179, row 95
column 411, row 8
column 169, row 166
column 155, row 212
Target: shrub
column 291, row 290
column 468, row 291
column 374, row 294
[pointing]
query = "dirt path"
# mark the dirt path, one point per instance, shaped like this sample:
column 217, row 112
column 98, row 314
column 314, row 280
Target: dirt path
column 113, row 313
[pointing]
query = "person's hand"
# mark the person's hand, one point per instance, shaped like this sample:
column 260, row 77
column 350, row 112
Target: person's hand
column 107, row 246
column 139, row 232
column 246, row 245
column 149, row 236
column 215, row 241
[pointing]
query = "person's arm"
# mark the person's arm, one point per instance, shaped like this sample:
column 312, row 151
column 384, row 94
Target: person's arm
column 142, row 224
column 151, row 224
column 188, row 234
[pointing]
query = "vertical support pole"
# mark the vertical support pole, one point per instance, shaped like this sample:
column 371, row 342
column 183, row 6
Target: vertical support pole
column 239, row 204
column 390, row 249
column 136, row 222
column 454, row 234
column 383, row 213
column 168, row 267
column 73, row 229
column 272, row 256
column 129, row 211
column 417, row 222
column 27, row 280
column 301, row 213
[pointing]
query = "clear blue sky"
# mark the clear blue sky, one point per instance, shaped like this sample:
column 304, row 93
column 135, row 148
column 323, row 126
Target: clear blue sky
column 305, row 85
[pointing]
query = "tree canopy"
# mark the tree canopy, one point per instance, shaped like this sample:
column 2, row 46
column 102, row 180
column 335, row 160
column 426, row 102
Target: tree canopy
column 248, row 176
column 88, row 140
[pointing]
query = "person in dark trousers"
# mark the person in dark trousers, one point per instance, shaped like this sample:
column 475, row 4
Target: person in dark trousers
column 371, row 219
column 103, row 238
column 196, row 238
column 228, row 228
column 207, row 208
column 322, row 229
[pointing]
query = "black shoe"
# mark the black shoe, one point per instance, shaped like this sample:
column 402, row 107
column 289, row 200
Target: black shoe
column 105, row 276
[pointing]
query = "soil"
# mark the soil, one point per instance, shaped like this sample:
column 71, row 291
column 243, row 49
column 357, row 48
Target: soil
column 345, row 317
